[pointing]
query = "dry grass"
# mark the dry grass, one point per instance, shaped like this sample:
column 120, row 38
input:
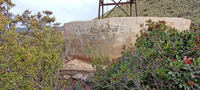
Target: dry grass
column 189, row 9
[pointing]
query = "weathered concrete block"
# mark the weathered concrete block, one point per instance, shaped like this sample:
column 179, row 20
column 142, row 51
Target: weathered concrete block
column 109, row 35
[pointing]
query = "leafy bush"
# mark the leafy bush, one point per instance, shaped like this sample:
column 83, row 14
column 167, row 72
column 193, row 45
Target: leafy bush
column 29, row 60
column 162, row 58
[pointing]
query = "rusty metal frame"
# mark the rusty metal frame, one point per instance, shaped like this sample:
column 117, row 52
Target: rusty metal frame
column 102, row 4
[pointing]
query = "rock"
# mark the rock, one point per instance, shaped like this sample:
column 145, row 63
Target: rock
column 77, row 65
column 60, row 77
column 65, row 60
column 70, row 58
column 84, row 78
column 77, row 76
column 66, row 77
column 72, row 73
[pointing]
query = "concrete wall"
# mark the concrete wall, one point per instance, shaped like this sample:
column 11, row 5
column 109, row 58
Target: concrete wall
column 109, row 35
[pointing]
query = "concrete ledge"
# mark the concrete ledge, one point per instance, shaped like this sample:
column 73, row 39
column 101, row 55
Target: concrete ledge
column 109, row 35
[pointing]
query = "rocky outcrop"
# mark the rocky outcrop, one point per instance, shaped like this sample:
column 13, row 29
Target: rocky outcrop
column 76, row 69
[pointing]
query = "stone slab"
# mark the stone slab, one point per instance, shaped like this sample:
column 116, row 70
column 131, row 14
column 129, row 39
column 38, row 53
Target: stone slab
column 78, row 65
column 109, row 35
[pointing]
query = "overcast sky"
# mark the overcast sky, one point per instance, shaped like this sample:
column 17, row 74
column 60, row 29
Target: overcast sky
column 64, row 10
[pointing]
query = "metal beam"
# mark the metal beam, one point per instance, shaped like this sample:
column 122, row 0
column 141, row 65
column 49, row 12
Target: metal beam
column 113, row 8
column 102, row 4
column 108, row 4
column 121, row 8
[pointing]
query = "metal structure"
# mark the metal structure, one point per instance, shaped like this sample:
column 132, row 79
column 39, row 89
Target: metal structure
column 131, row 2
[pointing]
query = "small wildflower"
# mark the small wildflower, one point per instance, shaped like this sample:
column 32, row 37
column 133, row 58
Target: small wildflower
column 173, row 60
column 138, row 72
column 122, row 52
column 118, row 76
column 146, row 34
column 196, row 45
column 190, row 58
column 188, row 62
column 123, row 70
column 163, row 22
column 124, row 47
column 150, row 21
column 113, row 78
column 193, row 49
column 198, row 37
column 191, row 83
column 161, row 74
column 169, row 43
column 131, row 50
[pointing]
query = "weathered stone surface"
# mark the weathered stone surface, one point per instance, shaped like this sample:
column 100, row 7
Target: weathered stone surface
column 66, row 77
column 77, row 65
column 84, row 77
column 70, row 58
column 65, row 60
column 77, row 76
column 109, row 35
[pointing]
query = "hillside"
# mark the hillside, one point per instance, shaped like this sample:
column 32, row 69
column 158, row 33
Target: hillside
column 189, row 9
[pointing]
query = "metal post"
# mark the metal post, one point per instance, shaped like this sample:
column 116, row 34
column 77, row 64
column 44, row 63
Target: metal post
column 99, row 9
column 131, row 2
column 136, row 8
column 102, row 8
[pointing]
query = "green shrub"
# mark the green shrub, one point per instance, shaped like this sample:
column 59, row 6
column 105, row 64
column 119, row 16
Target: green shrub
column 162, row 58
column 31, row 60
